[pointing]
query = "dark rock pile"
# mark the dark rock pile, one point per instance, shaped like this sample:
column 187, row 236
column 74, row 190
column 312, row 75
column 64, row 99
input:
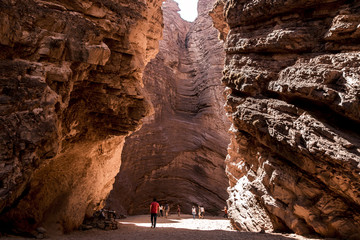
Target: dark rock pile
column 102, row 219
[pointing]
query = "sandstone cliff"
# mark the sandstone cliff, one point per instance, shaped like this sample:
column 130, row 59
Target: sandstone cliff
column 292, row 72
column 178, row 155
column 71, row 78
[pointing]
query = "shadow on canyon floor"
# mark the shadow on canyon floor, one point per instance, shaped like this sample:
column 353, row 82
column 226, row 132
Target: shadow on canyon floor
column 174, row 227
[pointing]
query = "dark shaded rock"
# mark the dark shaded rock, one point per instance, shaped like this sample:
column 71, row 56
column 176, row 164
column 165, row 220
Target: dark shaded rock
column 102, row 219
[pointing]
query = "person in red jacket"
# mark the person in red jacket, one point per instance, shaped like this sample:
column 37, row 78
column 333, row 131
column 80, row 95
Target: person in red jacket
column 154, row 209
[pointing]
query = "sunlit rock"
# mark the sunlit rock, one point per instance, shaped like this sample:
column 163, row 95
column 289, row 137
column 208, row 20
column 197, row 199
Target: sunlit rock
column 71, row 91
column 292, row 77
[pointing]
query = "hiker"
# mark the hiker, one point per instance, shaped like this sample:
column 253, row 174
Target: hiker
column 167, row 210
column 154, row 209
column 161, row 210
column 193, row 211
column 178, row 210
column 202, row 210
column 199, row 212
column 225, row 212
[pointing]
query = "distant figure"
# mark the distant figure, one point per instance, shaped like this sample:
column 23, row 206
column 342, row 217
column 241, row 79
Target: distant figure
column 193, row 211
column 161, row 210
column 167, row 210
column 178, row 210
column 199, row 212
column 154, row 209
column 202, row 210
column 225, row 212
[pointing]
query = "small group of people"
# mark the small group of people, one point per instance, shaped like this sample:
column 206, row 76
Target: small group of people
column 156, row 208
column 164, row 210
column 201, row 211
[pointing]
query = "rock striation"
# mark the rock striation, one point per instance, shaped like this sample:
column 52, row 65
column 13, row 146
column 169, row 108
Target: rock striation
column 70, row 92
column 293, row 85
column 178, row 155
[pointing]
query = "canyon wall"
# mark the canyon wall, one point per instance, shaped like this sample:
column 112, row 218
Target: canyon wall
column 178, row 155
column 71, row 91
column 292, row 72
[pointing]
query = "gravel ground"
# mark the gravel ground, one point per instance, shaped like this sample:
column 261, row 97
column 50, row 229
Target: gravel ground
column 174, row 227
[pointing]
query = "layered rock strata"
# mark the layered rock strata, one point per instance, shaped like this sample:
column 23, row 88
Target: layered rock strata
column 292, row 72
column 71, row 80
column 178, row 155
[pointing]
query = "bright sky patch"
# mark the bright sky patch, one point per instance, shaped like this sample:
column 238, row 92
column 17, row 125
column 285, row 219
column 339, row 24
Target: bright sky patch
column 188, row 9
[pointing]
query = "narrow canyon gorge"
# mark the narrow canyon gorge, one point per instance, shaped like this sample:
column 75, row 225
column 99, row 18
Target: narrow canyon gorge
column 178, row 154
column 109, row 103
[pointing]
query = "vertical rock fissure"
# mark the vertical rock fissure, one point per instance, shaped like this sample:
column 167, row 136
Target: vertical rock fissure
column 183, row 144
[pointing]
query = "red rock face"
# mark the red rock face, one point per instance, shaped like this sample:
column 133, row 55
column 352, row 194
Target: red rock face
column 71, row 76
column 178, row 155
column 292, row 77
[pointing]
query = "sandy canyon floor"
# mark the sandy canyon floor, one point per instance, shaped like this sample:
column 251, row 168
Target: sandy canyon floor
column 174, row 227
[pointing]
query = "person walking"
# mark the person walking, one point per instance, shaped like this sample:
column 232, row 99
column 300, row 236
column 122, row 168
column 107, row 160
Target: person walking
column 202, row 210
column 199, row 212
column 178, row 210
column 161, row 210
column 154, row 209
column 167, row 210
column 193, row 211
column 225, row 212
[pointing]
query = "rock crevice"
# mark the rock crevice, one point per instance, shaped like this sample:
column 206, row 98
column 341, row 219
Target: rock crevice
column 183, row 145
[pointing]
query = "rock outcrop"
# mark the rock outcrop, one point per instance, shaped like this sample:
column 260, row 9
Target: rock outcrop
column 292, row 72
column 178, row 155
column 71, row 91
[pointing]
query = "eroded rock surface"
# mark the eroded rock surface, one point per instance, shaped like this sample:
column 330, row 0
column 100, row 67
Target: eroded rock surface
column 178, row 155
column 71, row 77
column 293, row 85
